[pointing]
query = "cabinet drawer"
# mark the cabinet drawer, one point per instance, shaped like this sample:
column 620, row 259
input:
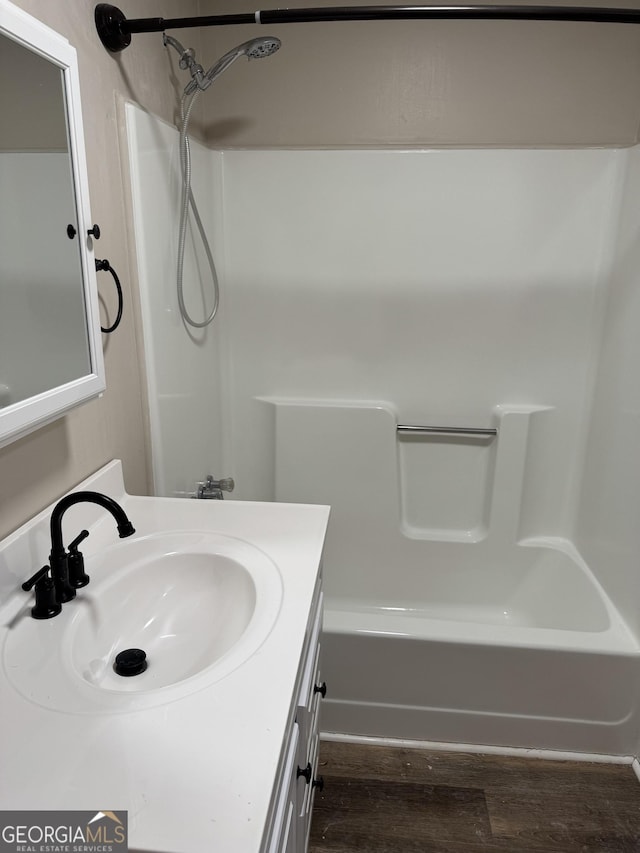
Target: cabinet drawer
column 308, row 697
column 306, row 800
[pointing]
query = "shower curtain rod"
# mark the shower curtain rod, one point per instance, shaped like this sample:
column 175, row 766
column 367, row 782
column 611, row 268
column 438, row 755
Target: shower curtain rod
column 115, row 29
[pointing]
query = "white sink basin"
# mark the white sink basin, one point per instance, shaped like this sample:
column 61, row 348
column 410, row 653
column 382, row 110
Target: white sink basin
column 198, row 604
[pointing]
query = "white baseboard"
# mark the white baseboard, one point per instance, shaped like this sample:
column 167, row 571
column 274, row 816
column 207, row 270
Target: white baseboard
column 547, row 754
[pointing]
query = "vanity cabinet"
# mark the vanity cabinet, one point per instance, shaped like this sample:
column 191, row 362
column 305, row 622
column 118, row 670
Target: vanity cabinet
column 223, row 760
column 297, row 779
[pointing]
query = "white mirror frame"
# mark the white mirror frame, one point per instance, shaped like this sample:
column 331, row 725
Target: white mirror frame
column 25, row 416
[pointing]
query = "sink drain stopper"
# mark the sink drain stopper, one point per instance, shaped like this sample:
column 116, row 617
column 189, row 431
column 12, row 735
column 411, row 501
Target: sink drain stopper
column 130, row 662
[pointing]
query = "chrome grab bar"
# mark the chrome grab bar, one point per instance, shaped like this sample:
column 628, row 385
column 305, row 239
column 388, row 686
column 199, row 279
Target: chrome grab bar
column 469, row 432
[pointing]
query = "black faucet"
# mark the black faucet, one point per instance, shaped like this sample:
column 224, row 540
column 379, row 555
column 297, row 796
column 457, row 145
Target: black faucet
column 58, row 559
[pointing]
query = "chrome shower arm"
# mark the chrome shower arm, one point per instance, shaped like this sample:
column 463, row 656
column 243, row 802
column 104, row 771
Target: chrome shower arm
column 188, row 61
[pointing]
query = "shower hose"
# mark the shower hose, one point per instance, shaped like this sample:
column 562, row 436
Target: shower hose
column 187, row 201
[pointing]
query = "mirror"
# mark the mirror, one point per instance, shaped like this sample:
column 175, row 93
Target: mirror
column 50, row 347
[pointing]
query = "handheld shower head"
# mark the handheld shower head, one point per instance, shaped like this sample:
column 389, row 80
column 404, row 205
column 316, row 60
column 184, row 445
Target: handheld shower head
column 261, row 47
column 253, row 49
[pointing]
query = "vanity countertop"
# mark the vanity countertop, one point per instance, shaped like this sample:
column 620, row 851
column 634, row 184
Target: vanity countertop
column 195, row 774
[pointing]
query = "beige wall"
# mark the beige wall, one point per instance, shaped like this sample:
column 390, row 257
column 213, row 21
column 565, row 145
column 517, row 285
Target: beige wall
column 37, row 469
column 428, row 83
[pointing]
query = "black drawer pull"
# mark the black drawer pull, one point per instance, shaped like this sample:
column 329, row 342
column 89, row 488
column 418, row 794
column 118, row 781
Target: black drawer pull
column 321, row 689
column 306, row 773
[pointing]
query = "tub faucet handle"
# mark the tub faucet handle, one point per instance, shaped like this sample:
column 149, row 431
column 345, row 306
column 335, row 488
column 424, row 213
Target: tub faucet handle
column 212, row 489
column 226, row 484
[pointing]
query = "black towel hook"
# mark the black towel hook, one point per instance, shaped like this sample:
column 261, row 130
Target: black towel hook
column 105, row 265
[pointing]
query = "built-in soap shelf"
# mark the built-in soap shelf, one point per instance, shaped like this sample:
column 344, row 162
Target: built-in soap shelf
column 452, row 483
column 445, row 481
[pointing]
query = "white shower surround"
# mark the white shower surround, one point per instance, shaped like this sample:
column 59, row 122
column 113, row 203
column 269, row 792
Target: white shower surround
column 183, row 368
column 362, row 289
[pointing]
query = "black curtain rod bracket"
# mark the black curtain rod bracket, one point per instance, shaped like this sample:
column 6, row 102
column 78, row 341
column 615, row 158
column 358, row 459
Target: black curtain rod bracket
column 115, row 29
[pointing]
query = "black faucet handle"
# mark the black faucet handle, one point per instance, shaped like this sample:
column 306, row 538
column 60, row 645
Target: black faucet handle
column 41, row 573
column 75, row 562
column 47, row 604
column 73, row 546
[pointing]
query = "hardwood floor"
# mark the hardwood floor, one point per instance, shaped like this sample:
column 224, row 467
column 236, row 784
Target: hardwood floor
column 396, row 800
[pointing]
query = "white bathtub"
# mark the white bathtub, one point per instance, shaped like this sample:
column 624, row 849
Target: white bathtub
column 528, row 652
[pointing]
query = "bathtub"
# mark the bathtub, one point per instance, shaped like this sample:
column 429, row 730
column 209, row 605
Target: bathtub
column 448, row 616
column 528, row 652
